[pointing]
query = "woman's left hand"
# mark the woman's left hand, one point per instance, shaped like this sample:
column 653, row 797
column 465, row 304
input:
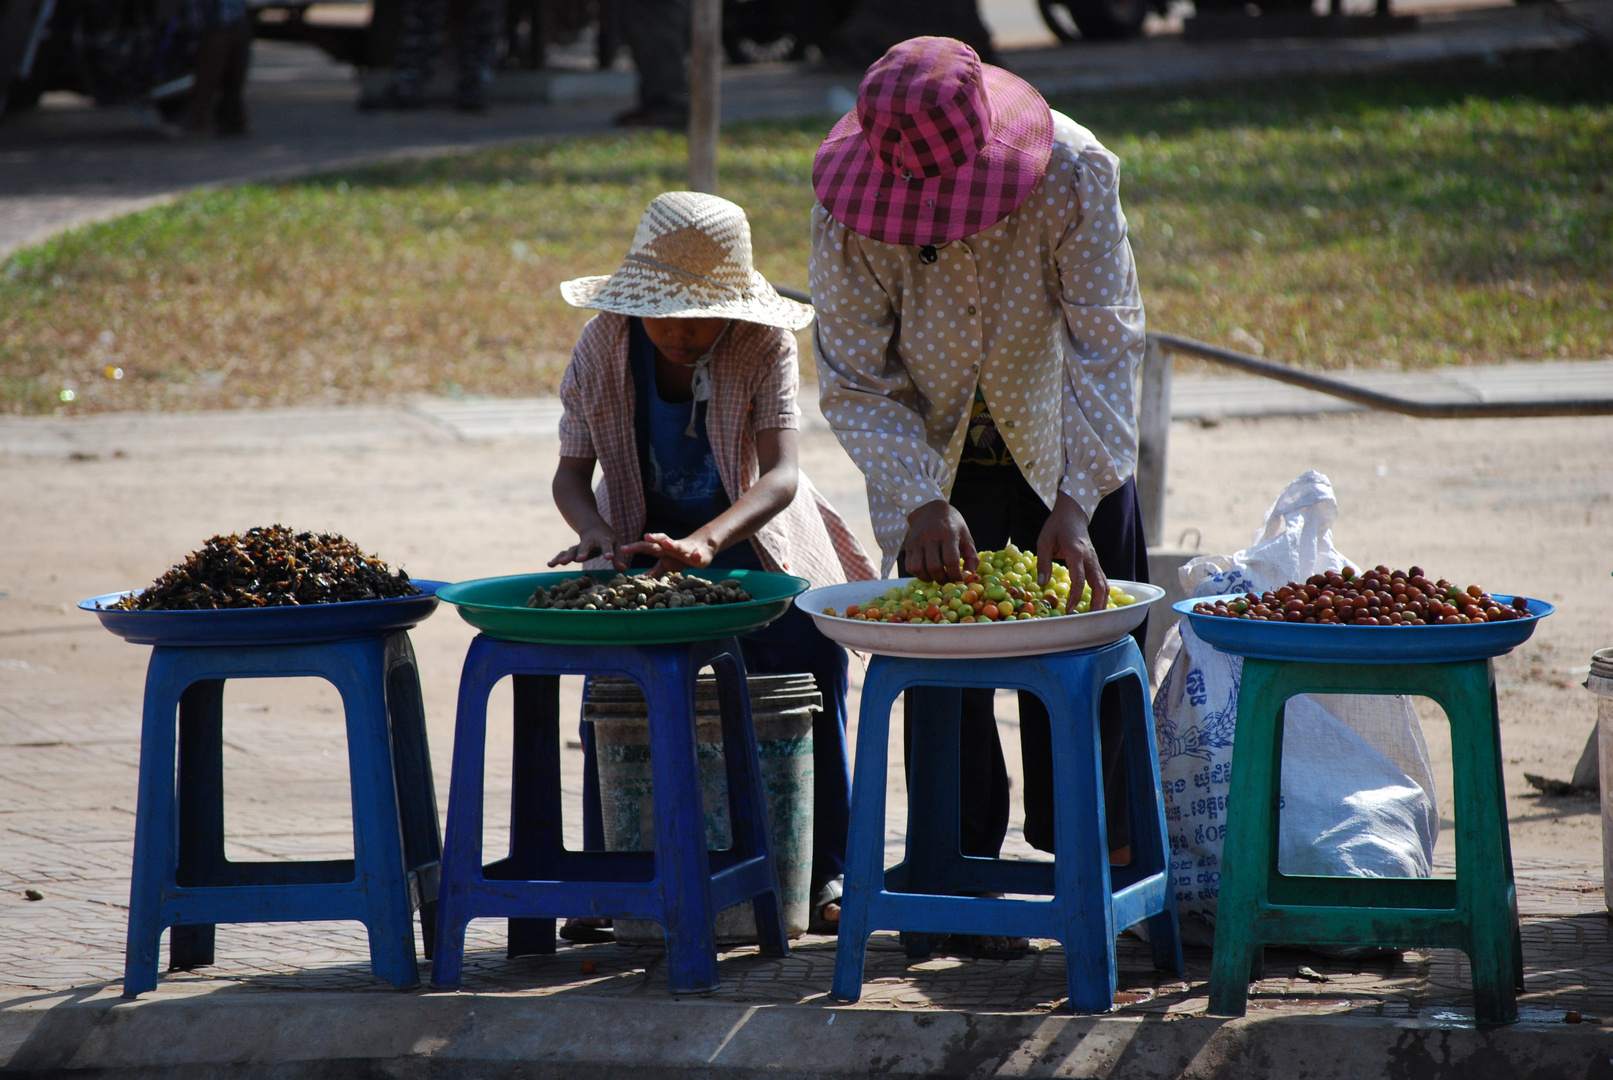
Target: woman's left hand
column 690, row 553
column 1065, row 538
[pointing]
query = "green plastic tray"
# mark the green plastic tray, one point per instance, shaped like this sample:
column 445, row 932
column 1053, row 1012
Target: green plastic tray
column 497, row 607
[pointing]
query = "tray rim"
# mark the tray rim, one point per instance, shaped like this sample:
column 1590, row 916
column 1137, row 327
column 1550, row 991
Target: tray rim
column 1472, row 649
column 983, row 647
column 227, row 627
column 659, row 632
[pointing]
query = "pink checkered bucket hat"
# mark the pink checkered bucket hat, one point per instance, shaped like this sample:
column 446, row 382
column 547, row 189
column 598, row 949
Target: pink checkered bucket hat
column 939, row 147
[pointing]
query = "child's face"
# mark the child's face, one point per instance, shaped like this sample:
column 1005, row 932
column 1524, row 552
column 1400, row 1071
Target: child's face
column 683, row 341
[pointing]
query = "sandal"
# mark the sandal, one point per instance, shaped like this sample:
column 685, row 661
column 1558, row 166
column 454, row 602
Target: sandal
column 982, row 946
column 588, row 931
column 826, row 907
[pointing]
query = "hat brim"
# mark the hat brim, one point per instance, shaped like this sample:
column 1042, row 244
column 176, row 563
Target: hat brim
column 858, row 191
column 635, row 289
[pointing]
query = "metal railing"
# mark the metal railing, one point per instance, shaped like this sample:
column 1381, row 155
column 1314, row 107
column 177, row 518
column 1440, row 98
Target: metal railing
column 1154, row 408
column 1154, row 404
column 1374, row 399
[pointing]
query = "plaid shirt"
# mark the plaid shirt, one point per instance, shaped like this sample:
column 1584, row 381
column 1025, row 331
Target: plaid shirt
column 754, row 384
column 1040, row 311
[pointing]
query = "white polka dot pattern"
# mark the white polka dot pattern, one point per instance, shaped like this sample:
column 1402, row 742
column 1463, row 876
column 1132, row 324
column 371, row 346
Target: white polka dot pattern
column 1041, row 311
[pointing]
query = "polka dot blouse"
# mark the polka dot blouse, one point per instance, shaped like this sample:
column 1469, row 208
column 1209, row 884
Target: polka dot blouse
column 1041, row 311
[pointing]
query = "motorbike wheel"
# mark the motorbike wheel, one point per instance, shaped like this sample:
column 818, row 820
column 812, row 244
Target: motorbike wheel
column 1093, row 20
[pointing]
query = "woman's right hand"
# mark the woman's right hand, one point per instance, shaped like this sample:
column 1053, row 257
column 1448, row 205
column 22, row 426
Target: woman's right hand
column 594, row 543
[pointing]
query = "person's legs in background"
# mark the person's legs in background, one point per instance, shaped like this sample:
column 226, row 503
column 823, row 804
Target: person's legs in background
column 212, row 55
column 657, row 33
column 413, row 57
column 478, row 48
column 223, row 48
column 231, row 114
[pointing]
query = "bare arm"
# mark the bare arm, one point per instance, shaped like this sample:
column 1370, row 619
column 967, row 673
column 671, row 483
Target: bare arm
column 574, row 497
column 776, row 455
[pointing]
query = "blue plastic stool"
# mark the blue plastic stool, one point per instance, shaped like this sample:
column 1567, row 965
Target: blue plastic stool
column 1089, row 903
column 181, row 876
column 680, row 884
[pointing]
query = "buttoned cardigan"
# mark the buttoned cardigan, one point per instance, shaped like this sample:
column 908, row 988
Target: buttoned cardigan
column 755, row 380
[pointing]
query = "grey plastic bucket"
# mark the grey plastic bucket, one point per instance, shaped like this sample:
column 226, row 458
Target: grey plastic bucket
column 782, row 708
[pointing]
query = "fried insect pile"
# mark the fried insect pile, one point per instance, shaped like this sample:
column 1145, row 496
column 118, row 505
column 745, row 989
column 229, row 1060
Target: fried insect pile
column 271, row 567
column 1378, row 597
column 638, row 593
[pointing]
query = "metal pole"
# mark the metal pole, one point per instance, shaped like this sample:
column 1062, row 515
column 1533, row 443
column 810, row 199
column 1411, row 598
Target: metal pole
column 1153, row 438
column 705, row 93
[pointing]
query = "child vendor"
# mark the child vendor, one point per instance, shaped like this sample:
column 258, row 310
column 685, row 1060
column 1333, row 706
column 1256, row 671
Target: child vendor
column 683, row 391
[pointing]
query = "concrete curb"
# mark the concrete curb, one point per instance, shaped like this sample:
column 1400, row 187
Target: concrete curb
column 454, row 1036
column 1206, row 398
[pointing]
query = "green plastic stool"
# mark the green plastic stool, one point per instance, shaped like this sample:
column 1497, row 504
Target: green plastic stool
column 1477, row 912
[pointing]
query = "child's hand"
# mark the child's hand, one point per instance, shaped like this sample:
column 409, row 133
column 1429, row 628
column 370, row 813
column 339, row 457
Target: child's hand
column 693, row 552
column 595, row 543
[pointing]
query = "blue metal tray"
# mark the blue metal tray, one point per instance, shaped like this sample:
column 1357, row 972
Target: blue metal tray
column 1361, row 644
column 297, row 625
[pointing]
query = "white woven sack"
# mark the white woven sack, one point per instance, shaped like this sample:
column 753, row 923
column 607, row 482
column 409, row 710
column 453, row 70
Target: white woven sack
column 1357, row 792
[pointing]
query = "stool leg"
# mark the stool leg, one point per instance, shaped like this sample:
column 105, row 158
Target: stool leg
column 865, row 842
column 1081, row 865
column 534, row 798
column 681, row 861
column 747, row 799
column 1503, row 831
column 1150, row 840
column 1249, row 851
column 154, row 848
column 201, row 813
column 377, row 825
column 1482, row 876
column 417, row 792
column 462, row 839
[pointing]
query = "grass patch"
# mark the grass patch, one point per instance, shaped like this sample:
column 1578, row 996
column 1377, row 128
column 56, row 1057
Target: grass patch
column 1457, row 215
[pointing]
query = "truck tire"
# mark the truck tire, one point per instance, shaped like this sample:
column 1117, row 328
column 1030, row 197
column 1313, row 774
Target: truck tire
column 1093, row 20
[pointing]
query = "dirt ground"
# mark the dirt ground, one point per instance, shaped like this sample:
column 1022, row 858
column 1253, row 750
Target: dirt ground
column 1517, row 505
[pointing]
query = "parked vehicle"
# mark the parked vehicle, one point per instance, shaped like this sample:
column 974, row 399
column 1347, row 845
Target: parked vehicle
column 114, row 51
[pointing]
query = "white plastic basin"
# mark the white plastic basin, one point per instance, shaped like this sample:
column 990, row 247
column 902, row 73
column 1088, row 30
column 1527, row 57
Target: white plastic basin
column 1028, row 637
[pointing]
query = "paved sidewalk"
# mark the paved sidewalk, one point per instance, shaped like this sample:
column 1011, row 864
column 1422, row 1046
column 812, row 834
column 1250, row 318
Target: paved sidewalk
column 426, row 486
column 67, row 770
column 63, row 166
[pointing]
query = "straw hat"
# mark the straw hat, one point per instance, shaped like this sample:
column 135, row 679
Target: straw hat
column 939, row 147
column 690, row 259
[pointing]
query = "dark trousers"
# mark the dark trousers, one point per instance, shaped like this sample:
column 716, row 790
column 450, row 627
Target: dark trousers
column 415, row 56
column 223, row 54
column 999, row 506
column 789, row 645
column 657, row 33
